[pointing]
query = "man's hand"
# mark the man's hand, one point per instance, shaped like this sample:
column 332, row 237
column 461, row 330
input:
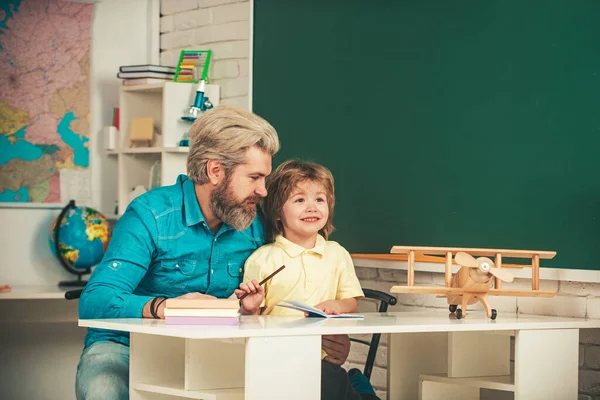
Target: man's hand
column 337, row 348
column 251, row 303
column 196, row 295
column 161, row 309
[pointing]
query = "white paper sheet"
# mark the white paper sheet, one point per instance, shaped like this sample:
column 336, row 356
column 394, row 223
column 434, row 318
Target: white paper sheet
column 75, row 185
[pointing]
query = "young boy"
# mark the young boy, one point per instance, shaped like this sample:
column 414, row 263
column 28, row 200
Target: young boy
column 298, row 213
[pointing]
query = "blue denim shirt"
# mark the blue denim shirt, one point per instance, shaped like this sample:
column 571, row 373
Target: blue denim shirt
column 162, row 246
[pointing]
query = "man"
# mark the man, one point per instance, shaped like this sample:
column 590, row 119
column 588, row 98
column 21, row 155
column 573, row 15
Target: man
column 187, row 240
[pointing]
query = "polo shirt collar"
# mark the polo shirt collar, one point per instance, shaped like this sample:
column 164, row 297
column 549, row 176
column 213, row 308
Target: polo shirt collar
column 294, row 250
column 193, row 213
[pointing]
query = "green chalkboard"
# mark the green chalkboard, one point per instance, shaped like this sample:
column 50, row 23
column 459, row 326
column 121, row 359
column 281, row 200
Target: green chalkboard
column 445, row 123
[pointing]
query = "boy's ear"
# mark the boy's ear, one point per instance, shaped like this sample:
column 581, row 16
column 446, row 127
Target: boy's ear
column 215, row 172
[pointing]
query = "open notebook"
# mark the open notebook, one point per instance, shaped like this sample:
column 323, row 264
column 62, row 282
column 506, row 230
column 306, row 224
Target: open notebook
column 312, row 311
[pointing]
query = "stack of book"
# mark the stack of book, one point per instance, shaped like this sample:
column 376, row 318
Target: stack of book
column 144, row 74
column 202, row 312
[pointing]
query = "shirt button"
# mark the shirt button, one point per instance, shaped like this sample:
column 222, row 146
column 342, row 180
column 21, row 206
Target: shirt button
column 241, row 269
column 176, row 265
column 215, row 239
column 212, row 271
column 115, row 264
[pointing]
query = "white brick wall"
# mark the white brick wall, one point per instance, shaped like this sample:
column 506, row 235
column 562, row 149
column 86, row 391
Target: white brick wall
column 218, row 25
column 574, row 299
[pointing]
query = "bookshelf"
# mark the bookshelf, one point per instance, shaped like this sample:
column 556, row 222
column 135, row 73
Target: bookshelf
column 165, row 103
column 197, row 369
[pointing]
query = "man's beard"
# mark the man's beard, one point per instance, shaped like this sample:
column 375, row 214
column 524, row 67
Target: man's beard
column 237, row 214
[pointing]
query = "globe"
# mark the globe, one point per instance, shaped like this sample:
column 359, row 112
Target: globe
column 83, row 235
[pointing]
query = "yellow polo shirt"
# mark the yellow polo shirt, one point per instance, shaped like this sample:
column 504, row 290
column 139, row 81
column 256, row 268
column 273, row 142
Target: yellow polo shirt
column 325, row 272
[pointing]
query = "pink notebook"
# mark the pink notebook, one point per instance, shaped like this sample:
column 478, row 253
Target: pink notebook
column 202, row 320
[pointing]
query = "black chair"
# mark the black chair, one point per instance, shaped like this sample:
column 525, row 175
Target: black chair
column 385, row 300
column 73, row 294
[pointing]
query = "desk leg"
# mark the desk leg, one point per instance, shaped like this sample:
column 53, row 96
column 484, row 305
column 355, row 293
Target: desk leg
column 411, row 354
column 546, row 364
column 285, row 367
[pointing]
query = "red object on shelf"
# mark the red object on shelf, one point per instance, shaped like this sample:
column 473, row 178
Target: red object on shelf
column 116, row 117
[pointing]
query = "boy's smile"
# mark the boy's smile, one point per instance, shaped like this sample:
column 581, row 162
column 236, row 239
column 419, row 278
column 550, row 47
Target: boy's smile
column 311, row 219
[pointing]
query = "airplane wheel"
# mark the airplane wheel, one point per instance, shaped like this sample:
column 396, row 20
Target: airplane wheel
column 494, row 314
column 458, row 314
column 452, row 308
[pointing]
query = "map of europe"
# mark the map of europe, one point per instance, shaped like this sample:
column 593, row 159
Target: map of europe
column 44, row 96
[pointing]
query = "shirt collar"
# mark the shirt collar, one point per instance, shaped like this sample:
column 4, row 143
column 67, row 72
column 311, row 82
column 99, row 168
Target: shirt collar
column 294, row 250
column 193, row 213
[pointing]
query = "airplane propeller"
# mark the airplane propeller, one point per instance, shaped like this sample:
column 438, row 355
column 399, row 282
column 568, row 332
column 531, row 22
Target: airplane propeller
column 484, row 264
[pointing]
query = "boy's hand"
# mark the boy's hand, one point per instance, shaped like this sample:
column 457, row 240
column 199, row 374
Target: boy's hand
column 251, row 303
column 330, row 307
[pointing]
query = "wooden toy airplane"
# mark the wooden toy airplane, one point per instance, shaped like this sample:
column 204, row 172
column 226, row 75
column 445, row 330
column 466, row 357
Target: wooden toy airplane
column 473, row 281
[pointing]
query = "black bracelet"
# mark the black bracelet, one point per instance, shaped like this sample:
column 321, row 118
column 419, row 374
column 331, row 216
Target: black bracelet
column 153, row 308
column 163, row 299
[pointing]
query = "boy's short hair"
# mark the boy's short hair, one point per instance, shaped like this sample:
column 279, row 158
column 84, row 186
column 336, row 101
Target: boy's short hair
column 280, row 185
column 224, row 133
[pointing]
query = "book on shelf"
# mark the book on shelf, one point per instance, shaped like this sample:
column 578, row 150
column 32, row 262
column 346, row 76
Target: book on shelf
column 203, row 303
column 144, row 74
column 116, row 117
column 147, row 68
column 144, row 81
column 201, row 312
column 228, row 321
column 312, row 311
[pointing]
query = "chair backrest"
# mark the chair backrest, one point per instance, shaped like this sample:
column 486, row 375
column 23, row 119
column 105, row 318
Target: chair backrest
column 73, row 294
column 385, row 300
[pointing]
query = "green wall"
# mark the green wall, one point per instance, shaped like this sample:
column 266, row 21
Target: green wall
column 445, row 123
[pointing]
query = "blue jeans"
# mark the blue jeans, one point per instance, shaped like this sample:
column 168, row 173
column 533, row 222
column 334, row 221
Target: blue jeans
column 103, row 372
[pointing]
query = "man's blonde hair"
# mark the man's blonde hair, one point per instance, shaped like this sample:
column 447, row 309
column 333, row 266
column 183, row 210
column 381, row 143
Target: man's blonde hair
column 280, row 186
column 224, row 133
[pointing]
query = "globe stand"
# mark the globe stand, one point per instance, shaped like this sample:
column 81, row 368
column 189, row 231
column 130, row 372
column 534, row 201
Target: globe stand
column 76, row 283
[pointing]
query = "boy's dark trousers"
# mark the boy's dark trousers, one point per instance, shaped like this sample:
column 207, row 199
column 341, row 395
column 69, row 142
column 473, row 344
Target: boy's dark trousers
column 335, row 384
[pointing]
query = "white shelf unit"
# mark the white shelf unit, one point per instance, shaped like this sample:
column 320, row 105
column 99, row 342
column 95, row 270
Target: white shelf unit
column 191, row 369
column 459, row 365
column 474, row 361
column 505, row 383
column 166, row 103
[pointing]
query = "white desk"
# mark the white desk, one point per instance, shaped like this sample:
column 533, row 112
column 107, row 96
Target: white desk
column 34, row 293
column 279, row 357
column 27, row 304
column 40, row 343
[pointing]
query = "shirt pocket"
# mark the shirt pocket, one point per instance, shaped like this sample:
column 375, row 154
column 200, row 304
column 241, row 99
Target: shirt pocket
column 174, row 274
column 235, row 269
column 185, row 267
column 235, row 273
